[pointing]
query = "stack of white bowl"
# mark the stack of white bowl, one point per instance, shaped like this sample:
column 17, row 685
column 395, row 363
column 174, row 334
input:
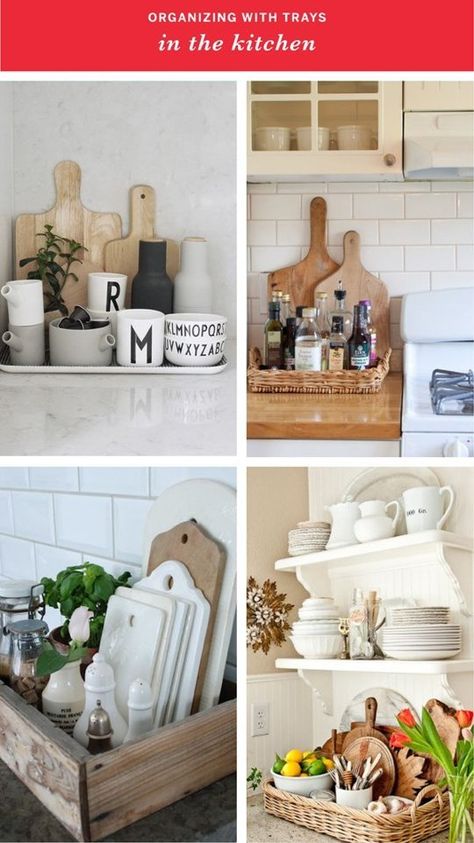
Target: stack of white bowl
column 308, row 537
column 316, row 634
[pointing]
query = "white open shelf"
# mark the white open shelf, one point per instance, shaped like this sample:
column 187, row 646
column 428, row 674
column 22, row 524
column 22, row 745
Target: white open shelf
column 379, row 665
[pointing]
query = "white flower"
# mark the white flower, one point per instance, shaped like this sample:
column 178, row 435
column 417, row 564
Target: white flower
column 253, row 634
column 79, row 624
column 255, row 597
column 263, row 615
column 280, row 618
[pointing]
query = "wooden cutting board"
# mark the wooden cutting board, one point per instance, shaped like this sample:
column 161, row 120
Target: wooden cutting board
column 367, row 729
column 360, row 284
column 205, row 562
column 361, row 749
column 301, row 279
column 122, row 255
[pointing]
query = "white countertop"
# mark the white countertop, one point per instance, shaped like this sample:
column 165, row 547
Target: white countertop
column 128, row 415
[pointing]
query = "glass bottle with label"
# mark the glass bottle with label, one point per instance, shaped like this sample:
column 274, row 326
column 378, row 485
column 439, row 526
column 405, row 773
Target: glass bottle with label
column 64, row 697
column 308, row 343
column 340, row 309
column 337, row 360
column 286, row 309
column 371, row 330
column 273, row 338
column 359, row 343
column 289, row 344
column 324, row 327
column 358, row 626
column 299, row 315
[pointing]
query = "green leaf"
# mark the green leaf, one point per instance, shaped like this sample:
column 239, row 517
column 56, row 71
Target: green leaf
column 70, row 583
column 103, row 587
column 50, row 661
column 438, row 748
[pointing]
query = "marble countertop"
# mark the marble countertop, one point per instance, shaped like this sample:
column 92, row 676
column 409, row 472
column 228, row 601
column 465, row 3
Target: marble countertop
column 262, row 827
column 107, row 415
column 208, row 815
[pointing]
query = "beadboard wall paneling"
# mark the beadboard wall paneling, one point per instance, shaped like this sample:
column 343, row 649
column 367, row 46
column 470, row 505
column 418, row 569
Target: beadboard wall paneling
column 415, row 236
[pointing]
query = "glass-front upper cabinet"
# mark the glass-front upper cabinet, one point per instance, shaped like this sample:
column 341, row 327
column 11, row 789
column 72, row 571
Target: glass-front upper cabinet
column 321, row 128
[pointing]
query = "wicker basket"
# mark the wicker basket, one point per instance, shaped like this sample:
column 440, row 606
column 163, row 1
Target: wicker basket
column 327, row 383
column 347, row 824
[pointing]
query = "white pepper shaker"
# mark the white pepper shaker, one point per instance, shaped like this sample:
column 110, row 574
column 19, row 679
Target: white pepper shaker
column 99, row 684
column 140, row 709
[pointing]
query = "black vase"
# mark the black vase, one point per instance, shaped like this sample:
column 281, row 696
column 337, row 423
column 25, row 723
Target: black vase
column 152, row 288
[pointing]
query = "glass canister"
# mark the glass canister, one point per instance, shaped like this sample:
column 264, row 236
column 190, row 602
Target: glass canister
column 26, row 644
column 19, row 600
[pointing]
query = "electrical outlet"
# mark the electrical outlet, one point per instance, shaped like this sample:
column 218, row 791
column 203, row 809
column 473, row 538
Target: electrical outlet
column 260, row 719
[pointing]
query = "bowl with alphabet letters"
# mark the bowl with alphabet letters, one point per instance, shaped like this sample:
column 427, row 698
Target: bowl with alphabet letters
column 195, row 339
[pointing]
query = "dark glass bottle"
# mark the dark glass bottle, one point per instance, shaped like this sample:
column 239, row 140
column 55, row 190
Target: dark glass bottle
column 289, row 344
column 337, row 346
column 152, row 288
column 359, row 343
column 273, row 336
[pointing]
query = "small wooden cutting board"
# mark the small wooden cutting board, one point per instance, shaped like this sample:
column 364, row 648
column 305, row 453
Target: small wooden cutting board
column 360, row 284
column 301, row 279
column 205, row 561
column 122, row 255
column 367, row 729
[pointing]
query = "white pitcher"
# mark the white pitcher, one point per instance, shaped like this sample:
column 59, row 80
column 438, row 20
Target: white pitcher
column 25, row 302
column 425, row 507
column 375, row 523
column 344, row 515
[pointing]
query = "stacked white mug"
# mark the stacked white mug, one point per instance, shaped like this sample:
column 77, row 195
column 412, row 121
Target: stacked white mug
column 25, row 335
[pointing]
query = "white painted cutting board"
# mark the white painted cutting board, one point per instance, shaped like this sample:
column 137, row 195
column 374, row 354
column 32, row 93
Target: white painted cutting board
column 213, row 506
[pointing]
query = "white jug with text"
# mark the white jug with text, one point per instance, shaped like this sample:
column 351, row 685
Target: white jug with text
column 425, row 507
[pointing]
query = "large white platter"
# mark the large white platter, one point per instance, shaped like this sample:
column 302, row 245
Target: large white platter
column 113, row 369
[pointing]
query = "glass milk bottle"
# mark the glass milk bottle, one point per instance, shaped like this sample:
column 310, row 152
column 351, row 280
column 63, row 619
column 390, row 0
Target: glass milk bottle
column 308, row 343
column 193, row 284
column 64, row 697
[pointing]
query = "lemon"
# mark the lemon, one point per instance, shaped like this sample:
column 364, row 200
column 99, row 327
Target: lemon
column 294, row 755
column 291, row 768
column 328, row 763
column 304, row 776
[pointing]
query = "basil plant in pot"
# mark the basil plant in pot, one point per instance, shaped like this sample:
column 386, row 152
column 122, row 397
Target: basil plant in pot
column 81, row 593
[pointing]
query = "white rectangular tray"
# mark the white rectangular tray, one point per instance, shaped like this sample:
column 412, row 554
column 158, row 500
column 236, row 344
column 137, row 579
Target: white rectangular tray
column 113, row 369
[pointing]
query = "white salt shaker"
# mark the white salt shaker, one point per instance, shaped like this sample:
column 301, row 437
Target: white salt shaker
column 140, row 709
column 99, row 684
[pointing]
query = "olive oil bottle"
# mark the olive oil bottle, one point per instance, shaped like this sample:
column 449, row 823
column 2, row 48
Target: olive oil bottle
column 273, row 338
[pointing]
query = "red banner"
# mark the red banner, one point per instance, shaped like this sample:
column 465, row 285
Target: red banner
column 279, row 36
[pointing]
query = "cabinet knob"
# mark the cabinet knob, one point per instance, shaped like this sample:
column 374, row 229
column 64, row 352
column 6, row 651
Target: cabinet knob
column 389, row 159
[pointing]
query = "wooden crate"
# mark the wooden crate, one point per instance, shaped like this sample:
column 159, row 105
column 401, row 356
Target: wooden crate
column 96, row 795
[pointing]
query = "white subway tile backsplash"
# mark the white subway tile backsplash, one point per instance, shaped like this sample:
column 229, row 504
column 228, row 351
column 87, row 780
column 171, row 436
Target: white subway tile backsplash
column 405, row 187
column 381, row 258
column 258, row 311
column 265, row 187
column 367, row 229
column 50, row 560
column 6, row 513
column 129, row 525
column 464, row 258
column 162, row 478
column 404, row 232
column 400, row 283
column 84, row 522
column 420, row 258
column 17, row 558
column 383, row 206
column 115, row 568
column 430, row 205
column 448, row 186
column 254, row 282
column 275, row 207
column 315, row 188
column 54, row 479
column 350, row 187
column 14, row 478
column 452, row 231
column 445, row 280
column 293, row 233
column 261, row 233
column 114, row 481
column 465, row 205
column 339, row 206
column 33, row 516
column 255, row 336
column 268, row 258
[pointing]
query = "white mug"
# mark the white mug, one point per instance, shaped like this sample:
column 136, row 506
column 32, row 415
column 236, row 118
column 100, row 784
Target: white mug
column 25, row 302
column 106, row 290
column 140, row 337
column 424, row 507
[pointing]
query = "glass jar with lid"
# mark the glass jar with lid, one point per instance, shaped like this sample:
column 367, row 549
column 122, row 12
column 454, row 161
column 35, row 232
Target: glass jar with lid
column 19, row 600
column 26, row 644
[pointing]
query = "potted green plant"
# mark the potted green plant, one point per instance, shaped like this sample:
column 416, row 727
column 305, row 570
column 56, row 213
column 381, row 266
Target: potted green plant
column 53, row 267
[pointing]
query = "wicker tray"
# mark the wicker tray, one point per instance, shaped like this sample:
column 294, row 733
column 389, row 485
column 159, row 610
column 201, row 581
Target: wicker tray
column 327, row 383
column 347, row 824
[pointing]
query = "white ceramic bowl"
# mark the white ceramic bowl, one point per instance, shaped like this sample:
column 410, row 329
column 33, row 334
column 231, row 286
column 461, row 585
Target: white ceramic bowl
column 323, row 137
column 272, row 138
column 195, row 339
column 317, row 646
column 303, row 137
column 318, row 614
column 323, row 625
column 302, row 786
column 318, row 601
column 354, row 137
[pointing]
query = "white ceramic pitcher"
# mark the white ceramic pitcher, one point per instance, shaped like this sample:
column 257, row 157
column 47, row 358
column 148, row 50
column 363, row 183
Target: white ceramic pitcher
column 375, row 523
column 425, row 507
column 344, row 515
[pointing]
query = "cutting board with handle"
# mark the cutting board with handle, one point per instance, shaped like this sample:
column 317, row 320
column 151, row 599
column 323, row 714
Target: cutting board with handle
column 122, row 255
column 173, row 578
column 367, row 729
column 301, row 279
column 363, row 748
column 205, row 562
column 360, row 284
column 69, row 218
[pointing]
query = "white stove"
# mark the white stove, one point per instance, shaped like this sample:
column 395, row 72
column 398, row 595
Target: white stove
column 438, row 329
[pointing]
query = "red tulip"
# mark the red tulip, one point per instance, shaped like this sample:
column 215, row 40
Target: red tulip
column 464, row 718
column 398, row 740
column 406, row 717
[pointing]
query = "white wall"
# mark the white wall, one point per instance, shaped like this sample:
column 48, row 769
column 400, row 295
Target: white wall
column 178, row 137
column 54, row 517
column 6, row 131
column 415, row 236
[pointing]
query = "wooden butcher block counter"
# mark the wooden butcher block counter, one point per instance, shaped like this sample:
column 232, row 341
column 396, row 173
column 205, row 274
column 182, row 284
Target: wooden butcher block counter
column 298, row 416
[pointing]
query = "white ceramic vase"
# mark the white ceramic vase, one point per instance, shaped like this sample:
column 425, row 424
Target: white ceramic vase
column 375, row 524
column 344, row 515
column 64, row 697
column 193, row 284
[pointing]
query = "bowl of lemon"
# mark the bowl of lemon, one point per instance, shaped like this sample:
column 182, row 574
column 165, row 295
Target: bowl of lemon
column 302, row 772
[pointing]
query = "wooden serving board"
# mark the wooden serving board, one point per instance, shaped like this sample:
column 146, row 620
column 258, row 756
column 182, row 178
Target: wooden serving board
column 122, row 255
column 367, row 729
column 71, row 219
column 361, row 284
column 361, row 749
column 301, row 279
column 205, row 562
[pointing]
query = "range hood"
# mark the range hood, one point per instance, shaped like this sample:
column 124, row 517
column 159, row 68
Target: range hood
column 438, row 145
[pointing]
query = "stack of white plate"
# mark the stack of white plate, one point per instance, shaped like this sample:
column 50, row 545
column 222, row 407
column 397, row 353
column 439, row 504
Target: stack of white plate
column 422, row 641
column 316, row 634
column 308, row 537
column 411, row 615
